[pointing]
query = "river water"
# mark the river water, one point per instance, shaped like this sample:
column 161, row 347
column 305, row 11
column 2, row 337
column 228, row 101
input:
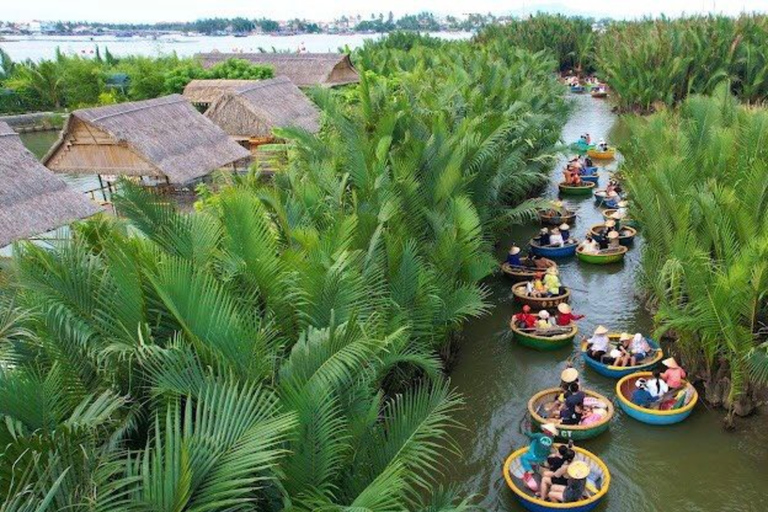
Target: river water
column 695, row 466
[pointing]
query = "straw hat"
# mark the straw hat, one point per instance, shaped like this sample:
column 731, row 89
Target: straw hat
column 564, row 226
column 601, row 330
column 569, row 375
column 544, row 231
column 613, row 234
column 616, row 215
column 578, row 470
column 623, row 204
column 610, row 223
column 564, row 308
column 549, row 428
column 625, row 336
column 670, row 363
column 544, row 314
column 514, row 250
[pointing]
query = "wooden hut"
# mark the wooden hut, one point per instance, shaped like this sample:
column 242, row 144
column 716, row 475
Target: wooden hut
column 32, row 199
column 303, row 69
column 251, row 112
column 202, row 93
column 165, row 139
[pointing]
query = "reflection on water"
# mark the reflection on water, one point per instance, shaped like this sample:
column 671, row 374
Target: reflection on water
column 693, row 466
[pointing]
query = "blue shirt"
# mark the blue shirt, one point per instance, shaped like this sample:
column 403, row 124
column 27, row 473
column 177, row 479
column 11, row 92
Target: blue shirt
column 642, row 397
column 514, row 260
column 566, row 235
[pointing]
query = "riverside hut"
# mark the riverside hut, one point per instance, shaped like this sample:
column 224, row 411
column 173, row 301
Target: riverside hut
column 32, row 199
column 303, row 69
column 163, row 139
column 201, row 93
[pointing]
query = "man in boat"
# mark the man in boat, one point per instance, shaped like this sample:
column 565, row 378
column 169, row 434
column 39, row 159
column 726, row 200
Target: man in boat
column 565, row 316
column 555, row 238
column 599, row 344
column 573, row 491
column 543, row 238
column 513, row 257
column 565, row 232
column 673, row 375
column 552, row 282
column 572, row 177
column 538, row 451
column 573, row 406
column 524, row 319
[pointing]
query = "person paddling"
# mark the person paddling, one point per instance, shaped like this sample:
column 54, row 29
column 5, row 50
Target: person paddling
column 565, row 316
column 538, row 451
column 513, row 257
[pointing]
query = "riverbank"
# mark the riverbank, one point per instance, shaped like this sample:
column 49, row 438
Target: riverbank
column 652, row 468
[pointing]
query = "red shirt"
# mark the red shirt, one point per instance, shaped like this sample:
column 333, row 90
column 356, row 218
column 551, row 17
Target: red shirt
column 526, row 318
column 567, row 318
column 674, row 377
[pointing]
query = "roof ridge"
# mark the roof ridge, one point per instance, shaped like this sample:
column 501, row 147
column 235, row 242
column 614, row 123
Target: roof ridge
column 268, row 82
column 156, row 102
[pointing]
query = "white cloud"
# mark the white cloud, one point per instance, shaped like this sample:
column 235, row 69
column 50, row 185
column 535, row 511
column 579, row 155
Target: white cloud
column 178, row 10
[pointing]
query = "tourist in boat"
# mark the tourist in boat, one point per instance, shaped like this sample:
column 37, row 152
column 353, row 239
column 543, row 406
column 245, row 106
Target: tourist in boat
column 673, row 375
column 565, row 316
column 621, row 210
column 513, row 257
column 589, row 246
column 616, row 218
column 641, row 396
column 623, row 355
column 612, row 199
column 555, row 238
column 525, row 319
column 538, row 451
column 656, row 386
column 573, row 406
column 602, row 145
column 599, row 344
column 543, row 321
column 588, row 162
column 613, row 240
column 557, row 465
column 573, row 491
column 543, row 238
column 610, row 225
column 536, row 288
column 552, row 282
column 639, row 349
column 565, row 232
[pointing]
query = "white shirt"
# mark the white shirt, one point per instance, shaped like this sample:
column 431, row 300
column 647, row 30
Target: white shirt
column 639, row 345
column 657, row 391
column 599, row 343
column 556, row 239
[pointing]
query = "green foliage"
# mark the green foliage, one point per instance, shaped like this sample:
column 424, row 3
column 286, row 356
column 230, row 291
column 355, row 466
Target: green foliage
column 698, row 183
column 239, row 69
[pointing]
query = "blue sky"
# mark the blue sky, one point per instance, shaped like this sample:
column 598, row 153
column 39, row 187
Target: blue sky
column 184, row 10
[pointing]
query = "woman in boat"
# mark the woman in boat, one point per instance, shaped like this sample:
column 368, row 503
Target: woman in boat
column 543, row 238
column 538, row 451
column 623, row 356
column 565, row 316
column 555, row 238
column 573, row 491
column 525, row 319
column 599, row 344
column 513, row 257
column 557, row 464
column 656, row 386
column 639, row 349
column 641, row 396
column 673, row 375
column 552, row 282
column 565, row 232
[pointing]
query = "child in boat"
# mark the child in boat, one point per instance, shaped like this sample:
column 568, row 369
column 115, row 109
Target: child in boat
column 573, row 491
column 538, row 451
column 565, row 232
column 599, row 344
column 565, row 315
column 513, row 257
column 555, row 238
column 552, row 282
column 557, row 466
column 673, row 375
column 524, row 319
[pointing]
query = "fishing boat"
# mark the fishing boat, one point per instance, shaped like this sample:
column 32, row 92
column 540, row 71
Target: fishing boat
column 549, row 339
column 564, row 251
column 585, row 189
column 575, row 432
column 598, row 483
column 539, row 303
column 626, row 221
column 603, row 257
column 626, row 234
column 685, row 402
column 523, row 273
column 616, row 372
column 577, row 89
column 554, row 218
column 608, row 154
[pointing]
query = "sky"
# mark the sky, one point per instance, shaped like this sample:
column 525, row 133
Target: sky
column 136, row 11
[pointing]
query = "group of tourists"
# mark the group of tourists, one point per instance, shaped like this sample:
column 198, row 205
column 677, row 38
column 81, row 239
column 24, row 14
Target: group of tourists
column 530, row 261
column 545, row 284
column 576, row 168
column 664, row 390
column 572, row 406
column 610, row 241
column 543, row 320
column 555, row 237
column 630, row 350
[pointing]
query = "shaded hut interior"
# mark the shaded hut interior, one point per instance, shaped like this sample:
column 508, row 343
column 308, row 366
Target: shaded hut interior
column 304, row 69
column 32, row 199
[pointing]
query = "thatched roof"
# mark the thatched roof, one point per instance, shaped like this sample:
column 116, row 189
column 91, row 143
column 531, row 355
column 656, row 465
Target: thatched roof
column 254, row 110
column 32, row 199
column 205, row 92
column 304, row 69
column 163, row 137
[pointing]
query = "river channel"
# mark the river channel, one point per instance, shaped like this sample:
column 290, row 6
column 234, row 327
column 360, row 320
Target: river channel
column 695, row 466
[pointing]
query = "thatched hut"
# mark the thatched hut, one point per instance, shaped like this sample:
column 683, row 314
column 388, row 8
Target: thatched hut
column 32, row 199
column 164, row 138
column 303, row 69
column 202, row 93
column 250, row 113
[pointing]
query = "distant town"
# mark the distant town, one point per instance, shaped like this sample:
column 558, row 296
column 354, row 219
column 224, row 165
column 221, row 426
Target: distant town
column 374, row 23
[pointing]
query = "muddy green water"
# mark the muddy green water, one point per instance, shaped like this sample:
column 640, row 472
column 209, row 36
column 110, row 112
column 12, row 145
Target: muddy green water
column 694, row 466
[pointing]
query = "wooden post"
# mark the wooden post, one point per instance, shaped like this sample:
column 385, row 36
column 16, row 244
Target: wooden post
column 101, row 186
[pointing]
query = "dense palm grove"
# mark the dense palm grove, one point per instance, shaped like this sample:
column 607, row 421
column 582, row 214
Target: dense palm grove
column 280, row 348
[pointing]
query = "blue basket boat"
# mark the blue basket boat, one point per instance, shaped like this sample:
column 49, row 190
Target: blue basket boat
column 553, row 252
column 626, row 386
column 616, row 372
column 578, row 89
column 598, row 482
